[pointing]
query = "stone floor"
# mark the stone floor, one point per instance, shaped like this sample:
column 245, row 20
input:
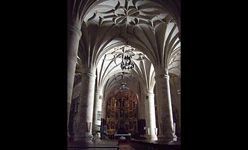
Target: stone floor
column 125, row 145
column 101, row 145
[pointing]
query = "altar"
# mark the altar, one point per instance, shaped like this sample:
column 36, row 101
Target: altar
column 121, row 115
column 123, row 136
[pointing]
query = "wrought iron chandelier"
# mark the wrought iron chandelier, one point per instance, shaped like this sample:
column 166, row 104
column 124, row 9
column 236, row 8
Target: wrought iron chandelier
column 127, row 62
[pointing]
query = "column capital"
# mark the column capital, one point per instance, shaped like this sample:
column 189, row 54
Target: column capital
column 99, row 90
column 160, row 76
column 75, row 29
column 89, row 72
column 149, row 92
column 161, row 73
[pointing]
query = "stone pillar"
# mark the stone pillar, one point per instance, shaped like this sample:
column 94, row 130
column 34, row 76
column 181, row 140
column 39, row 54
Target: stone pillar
column 74, row 35
column 165, row 116
column 151, row 123
column 84, row 118
column 98, row 109
column 176, row 102
column 179, row 113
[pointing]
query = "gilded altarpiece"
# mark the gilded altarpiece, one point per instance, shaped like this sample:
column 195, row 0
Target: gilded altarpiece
column 122, row 112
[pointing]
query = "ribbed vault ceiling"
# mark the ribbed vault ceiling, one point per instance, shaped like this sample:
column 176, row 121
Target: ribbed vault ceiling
column 146, row 25
column 128, row 12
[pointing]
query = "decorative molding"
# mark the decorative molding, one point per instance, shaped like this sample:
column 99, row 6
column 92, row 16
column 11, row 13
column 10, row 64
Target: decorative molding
column 128, row 12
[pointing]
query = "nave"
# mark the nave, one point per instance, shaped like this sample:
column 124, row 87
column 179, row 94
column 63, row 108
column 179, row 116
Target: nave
column 124, row 73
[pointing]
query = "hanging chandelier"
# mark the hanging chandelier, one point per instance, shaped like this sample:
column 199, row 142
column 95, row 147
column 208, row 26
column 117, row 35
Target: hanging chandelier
column 127, row 62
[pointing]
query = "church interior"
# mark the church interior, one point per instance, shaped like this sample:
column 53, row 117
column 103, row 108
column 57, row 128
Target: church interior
column 124, row 74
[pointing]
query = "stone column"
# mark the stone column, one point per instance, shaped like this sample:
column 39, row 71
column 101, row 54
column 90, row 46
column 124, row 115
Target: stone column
column 151, row 123
column 98, row 109
column 179, row 113
column 85, row 111
column 74, row 35
column 165, row 116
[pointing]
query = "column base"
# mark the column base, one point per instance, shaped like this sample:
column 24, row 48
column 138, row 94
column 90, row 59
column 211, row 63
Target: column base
column 87, row 137
column 80, row 141
column 166, row 139
column 97, row 128
column 151, row 137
